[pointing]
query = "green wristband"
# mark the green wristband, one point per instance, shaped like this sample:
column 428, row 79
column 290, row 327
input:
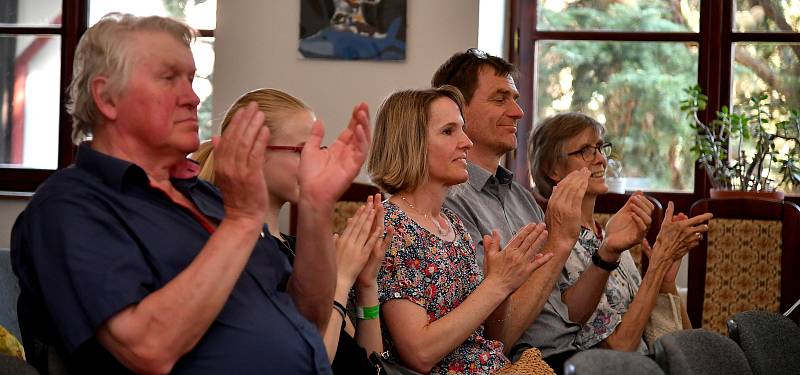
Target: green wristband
column 368, row 312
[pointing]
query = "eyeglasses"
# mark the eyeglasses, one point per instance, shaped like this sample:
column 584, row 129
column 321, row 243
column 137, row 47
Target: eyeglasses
column 471, row 56
column 295, row 149
column 588, row 153
column 477, row 53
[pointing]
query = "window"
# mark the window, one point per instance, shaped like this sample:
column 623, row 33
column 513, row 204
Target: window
column 29, row 83
column 37, row 44
column 200, row 14
column 37, row 38
column 626, row 63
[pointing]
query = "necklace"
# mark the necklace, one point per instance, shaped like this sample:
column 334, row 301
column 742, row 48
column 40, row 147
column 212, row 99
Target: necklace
column 443, row 232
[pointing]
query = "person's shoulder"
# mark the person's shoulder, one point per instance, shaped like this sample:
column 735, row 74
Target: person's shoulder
column 524, row 194
column 463, row 194
column 460, row 190
column 521, row 191
column 64, row 184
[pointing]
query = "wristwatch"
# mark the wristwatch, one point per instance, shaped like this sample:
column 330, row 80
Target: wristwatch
column 598, row 261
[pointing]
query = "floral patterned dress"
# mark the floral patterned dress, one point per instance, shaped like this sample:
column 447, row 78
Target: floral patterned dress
column 437, row 275
column 622, row 285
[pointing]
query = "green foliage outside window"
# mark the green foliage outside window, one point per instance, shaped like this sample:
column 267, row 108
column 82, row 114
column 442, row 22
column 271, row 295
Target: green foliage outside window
column 635, row 88
column 177, row 9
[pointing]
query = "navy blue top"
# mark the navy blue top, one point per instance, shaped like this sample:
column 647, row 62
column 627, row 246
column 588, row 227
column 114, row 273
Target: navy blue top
column 96, row 238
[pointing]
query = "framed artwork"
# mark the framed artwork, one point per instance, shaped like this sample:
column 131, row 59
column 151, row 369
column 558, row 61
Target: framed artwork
column 353, row 29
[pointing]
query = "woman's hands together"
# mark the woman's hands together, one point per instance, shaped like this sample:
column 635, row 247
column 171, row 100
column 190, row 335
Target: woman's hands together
column 678, row 235
column 361, row 246
column 629, row 225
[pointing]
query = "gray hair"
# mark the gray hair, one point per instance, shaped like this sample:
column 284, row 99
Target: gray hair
column 546, row 145
column 104, row 50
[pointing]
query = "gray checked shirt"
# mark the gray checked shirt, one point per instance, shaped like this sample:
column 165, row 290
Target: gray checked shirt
column 495, row 201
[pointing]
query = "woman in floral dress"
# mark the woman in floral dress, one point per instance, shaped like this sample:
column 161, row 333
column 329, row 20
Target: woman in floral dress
column 440, row 314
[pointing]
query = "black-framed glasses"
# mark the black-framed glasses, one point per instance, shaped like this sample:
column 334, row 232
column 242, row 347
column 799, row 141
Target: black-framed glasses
column 469, row 57
column 588, row 153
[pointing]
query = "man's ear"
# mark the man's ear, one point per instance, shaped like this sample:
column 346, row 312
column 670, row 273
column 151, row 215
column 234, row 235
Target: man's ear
column 103, row 98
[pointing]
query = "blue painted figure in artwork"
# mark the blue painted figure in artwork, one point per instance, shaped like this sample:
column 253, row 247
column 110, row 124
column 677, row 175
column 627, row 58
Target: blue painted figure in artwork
column 354, row 42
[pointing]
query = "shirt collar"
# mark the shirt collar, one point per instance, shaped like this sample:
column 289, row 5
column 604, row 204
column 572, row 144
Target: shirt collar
column 110, row 170
column 479, row 177
column 115, row 172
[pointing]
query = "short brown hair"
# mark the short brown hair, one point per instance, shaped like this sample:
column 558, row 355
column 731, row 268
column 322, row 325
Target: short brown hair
column 546, row 145
column 105, row 49
column 461, row 70
column 398, row 158
column 276, row 105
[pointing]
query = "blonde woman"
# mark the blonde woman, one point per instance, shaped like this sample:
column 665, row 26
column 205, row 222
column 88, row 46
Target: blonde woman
column 442, row 313
column 359, row 248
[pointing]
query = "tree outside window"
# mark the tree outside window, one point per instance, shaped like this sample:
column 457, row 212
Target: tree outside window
column 626, row 63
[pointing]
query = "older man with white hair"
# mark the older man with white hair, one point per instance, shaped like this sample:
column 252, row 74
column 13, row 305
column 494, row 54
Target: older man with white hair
column 129, row 263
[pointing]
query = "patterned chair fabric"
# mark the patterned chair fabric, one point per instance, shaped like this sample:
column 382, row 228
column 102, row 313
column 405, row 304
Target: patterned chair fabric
column 348, row 203
column 743, row 259
column 342, row 211
column 740, row 263
column 10, row 345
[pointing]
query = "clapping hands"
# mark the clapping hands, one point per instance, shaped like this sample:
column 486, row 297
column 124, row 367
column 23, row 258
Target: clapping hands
column 239, row 165
column 512, row 266
column 325, row 173
column 361, row 246
column 564, row 208
column 678, row 235
column 629, row 225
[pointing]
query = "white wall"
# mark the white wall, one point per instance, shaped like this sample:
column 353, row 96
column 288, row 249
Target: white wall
column 256, row 46
column 492, row 33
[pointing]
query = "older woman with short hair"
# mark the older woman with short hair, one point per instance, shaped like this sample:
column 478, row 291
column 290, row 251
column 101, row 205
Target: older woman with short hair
column 570, row 141
column 441, row 314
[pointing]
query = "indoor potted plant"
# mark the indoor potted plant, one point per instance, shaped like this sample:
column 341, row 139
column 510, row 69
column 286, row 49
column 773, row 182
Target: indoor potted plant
column 746, row 148
column 614, row 178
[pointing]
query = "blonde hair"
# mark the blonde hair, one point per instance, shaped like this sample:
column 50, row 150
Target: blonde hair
column 398, row 158
column 105, row 50
column 276, row 105
column 546, row 145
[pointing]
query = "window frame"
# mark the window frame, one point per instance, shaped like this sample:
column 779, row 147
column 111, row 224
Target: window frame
column 74, row 22
column 715, row 41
